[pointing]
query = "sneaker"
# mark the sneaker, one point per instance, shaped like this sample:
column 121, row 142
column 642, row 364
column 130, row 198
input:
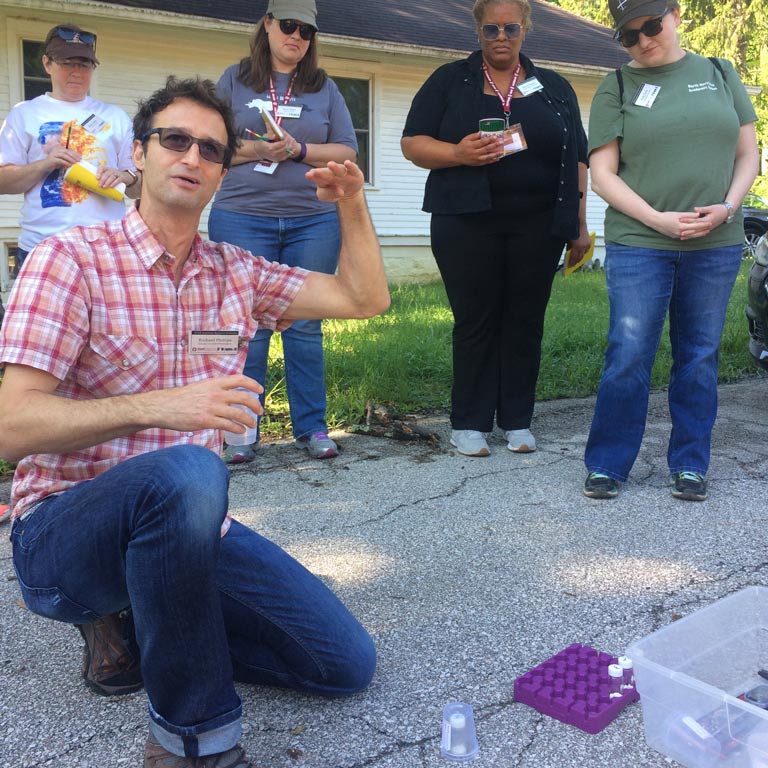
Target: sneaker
column 156, row 756
column 470, row 442
column 238, row 454
column 690, row 486
column 319, row 445
column 5, row 513
column 111, row 657
column 520, row 441
column 600, row 486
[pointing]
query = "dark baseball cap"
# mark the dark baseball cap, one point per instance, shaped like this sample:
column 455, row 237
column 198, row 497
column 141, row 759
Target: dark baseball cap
column 624, row 11
column 68, row 41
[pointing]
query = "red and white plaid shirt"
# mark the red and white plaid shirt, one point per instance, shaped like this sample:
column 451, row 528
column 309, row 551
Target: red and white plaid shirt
column 97, row 308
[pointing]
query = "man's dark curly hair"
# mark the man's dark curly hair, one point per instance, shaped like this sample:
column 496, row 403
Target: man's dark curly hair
column 196, row 89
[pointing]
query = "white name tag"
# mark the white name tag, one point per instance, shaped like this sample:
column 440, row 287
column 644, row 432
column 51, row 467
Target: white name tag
column 265, row 166
column 213, row 342
column 93, row 124
column 646, row 95
column 529, row 86
column 291, row 112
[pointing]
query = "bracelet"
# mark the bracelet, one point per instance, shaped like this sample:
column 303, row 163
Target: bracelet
column 731, row 212
column 134, row 177
column 302, row 154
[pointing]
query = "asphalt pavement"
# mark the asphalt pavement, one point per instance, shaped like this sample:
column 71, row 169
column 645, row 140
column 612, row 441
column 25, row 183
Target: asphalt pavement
column 467, row 573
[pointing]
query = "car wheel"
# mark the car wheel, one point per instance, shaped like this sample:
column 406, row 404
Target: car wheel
column 752, row 233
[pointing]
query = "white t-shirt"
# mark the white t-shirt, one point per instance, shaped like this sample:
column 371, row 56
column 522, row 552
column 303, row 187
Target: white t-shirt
column 105, row 140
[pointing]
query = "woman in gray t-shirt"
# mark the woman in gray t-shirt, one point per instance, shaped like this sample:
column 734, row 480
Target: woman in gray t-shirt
column 292, row 117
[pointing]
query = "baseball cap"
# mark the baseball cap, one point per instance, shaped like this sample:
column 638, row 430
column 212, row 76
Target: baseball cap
column 304, row 11
column 68, row 41
column 624, row 11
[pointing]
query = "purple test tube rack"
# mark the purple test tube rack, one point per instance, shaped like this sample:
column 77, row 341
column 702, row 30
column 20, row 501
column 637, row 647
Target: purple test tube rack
column 574, row 687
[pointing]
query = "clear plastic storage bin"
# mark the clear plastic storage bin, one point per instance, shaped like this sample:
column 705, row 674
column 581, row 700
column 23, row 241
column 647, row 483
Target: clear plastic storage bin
column 697, row 679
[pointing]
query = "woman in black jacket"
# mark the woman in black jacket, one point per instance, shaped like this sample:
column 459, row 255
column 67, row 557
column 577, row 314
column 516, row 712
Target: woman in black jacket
column 503, row 208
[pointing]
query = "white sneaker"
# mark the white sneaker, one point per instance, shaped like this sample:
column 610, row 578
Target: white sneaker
column 470, row 442
column 520, row 440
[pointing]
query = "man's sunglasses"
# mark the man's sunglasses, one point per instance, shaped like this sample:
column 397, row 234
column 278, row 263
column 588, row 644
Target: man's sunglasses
column 289, row 26
column 177, row 141
column 75, row 35
column 651, row 28
column 511, row 31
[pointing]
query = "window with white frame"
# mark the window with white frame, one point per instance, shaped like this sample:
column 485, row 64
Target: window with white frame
column 36, row 80
column 23, row 53
column 357, row 94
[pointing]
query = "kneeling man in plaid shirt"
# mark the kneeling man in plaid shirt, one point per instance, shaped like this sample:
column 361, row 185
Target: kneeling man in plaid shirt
column 122, row 345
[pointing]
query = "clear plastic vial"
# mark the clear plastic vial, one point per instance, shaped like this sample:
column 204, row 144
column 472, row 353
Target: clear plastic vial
column 628, row 679
column 616, row 675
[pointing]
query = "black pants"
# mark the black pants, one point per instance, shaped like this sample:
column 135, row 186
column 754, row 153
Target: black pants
column 498, row 271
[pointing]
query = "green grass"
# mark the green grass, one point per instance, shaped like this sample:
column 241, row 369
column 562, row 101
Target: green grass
column 403, row 358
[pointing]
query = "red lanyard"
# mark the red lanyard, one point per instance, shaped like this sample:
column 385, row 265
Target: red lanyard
column 505, row 103
column 286, row 98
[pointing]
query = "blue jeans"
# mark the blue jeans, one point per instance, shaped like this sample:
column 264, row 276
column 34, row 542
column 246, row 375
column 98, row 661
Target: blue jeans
column 312, row 242
column 208, row 610
column 643, row 284
column 21, row 254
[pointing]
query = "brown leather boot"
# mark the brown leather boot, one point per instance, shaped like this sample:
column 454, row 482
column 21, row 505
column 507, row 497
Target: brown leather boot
column 111, row 657
column 156, row 756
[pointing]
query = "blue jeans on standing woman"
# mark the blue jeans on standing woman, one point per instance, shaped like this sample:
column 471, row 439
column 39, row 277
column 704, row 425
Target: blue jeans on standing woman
column 312, row 242
column 208, row 609
column 643, row 285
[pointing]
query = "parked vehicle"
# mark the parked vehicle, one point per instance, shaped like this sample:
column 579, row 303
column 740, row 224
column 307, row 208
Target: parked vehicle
column 755, row 210
column 757, row 304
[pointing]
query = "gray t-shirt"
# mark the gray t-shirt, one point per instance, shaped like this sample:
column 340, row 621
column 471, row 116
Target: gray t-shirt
column 324, row 119
column 679, row 152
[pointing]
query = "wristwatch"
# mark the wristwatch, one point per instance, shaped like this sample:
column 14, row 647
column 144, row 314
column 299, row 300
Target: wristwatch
column 134, row 176
column 731, row 212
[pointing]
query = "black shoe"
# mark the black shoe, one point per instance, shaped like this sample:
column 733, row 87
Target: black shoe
column 111, row 657
column 690, row 486
column 600, row 486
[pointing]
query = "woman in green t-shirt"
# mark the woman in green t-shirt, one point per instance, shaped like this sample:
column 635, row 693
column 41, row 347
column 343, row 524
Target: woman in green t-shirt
column 673, row 152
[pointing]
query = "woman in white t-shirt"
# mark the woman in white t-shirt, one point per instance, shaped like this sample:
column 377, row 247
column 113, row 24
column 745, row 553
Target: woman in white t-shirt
column 41, row 138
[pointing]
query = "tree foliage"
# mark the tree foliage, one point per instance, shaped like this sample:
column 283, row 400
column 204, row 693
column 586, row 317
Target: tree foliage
column 732, row 29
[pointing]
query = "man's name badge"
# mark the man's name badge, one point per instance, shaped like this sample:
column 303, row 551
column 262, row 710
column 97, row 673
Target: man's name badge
column 529, row 86
column 213, row 342
column 290, row 112
column 646, row 95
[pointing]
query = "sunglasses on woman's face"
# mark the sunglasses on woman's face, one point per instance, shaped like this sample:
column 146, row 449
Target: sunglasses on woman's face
column 651, row 28
column 289, row 26
column 177, row 141
column 491, row 31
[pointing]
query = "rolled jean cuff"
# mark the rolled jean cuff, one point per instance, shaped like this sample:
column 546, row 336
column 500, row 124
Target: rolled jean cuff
column 208, row 738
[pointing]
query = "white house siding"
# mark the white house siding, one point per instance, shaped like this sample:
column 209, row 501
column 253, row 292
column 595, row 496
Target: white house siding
column 139, row 48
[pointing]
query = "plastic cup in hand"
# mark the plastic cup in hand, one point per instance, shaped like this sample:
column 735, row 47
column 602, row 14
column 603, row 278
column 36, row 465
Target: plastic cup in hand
column 251, row 433
column 459, row 739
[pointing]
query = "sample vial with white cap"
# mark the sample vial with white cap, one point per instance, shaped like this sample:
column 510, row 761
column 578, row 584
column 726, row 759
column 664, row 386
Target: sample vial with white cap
column 628, row 678
column 616, row 675
column 459, row 738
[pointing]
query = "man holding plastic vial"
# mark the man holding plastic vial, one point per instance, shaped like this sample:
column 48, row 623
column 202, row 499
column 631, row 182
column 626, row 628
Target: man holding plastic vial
column 121, row 349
